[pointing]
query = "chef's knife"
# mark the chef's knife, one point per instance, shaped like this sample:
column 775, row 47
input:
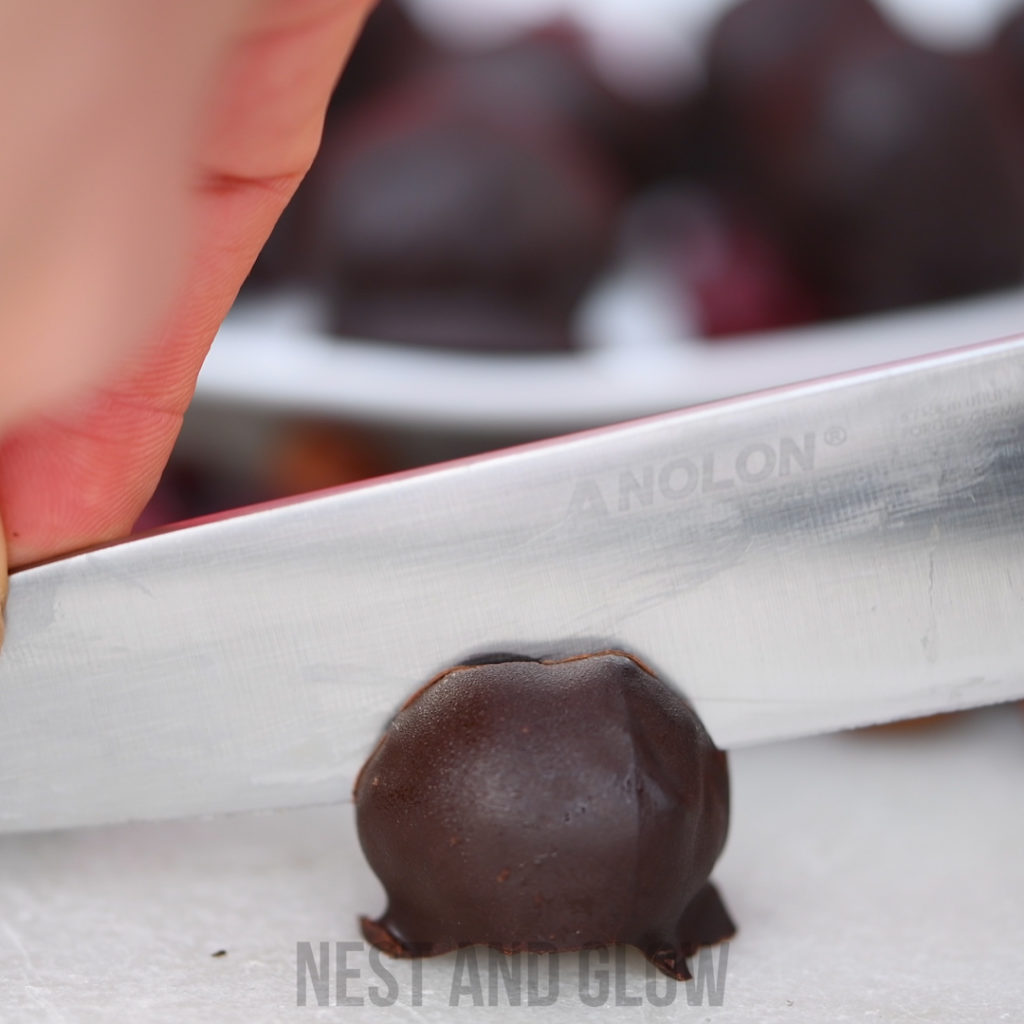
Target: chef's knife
column 816, row 557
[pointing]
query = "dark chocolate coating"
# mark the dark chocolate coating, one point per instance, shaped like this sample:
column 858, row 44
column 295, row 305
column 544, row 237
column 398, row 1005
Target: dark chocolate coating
column 545, row 806
column 551, row 72
column 446, row 219
column 908, row 191
column 765, row 60
column 887, row 175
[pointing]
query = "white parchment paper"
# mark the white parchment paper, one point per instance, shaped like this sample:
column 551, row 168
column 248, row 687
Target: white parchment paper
column 874, row 877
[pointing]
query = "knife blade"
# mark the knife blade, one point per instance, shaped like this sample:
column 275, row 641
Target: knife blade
column 828, row 555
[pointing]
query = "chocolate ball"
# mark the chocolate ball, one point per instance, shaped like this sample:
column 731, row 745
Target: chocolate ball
column 906, row 184
column 447, row 219
column 879, row 164
column 546, row 805
column 551, row 71
column 765, row 59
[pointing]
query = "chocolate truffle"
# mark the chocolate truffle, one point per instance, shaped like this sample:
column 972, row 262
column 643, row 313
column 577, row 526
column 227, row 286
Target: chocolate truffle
column 391, row 46
column 765, row 59
column 908, row 189
column 551, row 71
column 546, row 805
column 447, row 219
column 886, row 172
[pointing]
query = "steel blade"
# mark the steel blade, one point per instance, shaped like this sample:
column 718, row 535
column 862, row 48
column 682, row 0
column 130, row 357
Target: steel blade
column 818, row 557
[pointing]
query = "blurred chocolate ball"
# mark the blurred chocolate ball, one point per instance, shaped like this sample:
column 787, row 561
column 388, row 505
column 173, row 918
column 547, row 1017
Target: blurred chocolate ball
column 446, row 217
column 881, row 165
column 765, row 59
column 551, row 72
column 904, row 185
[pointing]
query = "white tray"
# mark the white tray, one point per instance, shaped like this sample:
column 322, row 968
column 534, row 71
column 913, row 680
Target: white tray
column 636, row 357
column 269, row 357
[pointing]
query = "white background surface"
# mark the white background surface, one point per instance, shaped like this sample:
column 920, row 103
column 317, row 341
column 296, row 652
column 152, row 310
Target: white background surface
column 874, row 877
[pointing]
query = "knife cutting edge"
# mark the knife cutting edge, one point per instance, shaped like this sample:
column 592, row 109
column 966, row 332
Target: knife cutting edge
column 821, row 556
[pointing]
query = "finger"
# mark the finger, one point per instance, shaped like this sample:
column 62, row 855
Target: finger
column 101, row 105
column 83, row 476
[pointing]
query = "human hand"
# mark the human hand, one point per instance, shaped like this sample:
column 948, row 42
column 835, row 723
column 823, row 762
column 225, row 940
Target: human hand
column 149, row 148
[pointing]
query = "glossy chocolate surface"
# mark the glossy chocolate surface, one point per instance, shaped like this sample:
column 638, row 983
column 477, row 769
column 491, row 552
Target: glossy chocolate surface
column 446, row 219
column 882, row 163
column 546, row 805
